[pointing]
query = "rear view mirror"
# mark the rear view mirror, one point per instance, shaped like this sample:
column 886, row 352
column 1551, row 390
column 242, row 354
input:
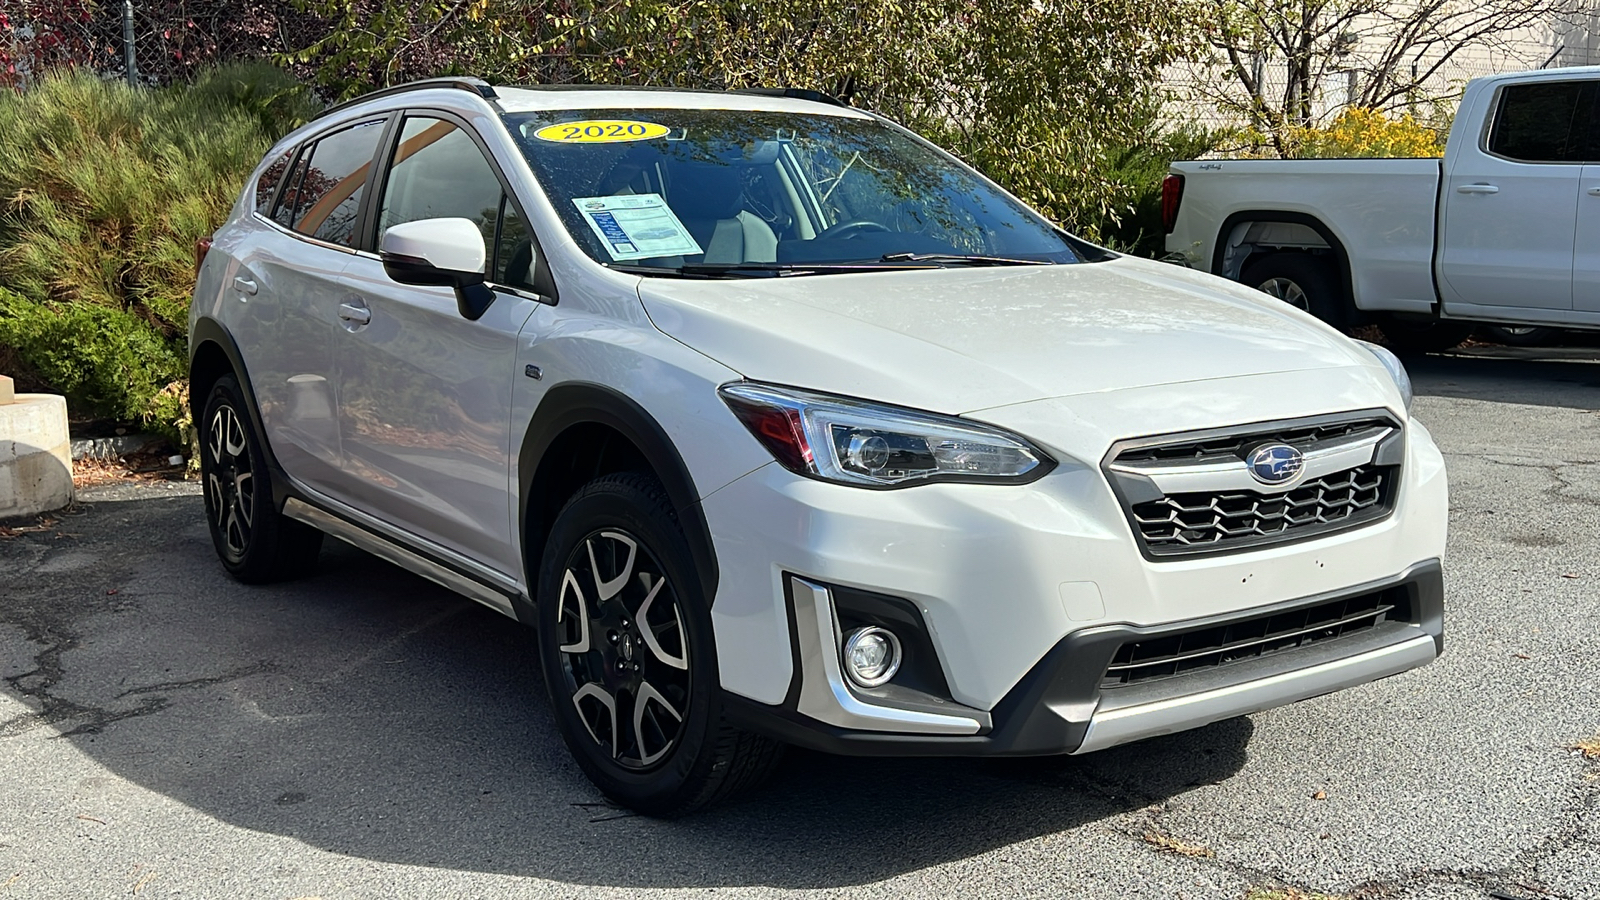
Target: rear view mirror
column 440, row 253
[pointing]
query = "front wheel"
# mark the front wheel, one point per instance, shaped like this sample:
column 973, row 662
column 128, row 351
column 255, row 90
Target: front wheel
column 626, row 645
column 1422, row 334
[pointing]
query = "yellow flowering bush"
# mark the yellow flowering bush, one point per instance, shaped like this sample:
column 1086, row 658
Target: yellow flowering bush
column 1368, row 133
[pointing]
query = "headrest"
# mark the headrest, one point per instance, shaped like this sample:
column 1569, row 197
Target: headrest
column 705, row 190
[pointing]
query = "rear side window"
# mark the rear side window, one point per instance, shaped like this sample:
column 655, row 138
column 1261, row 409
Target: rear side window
column 267, row 184
column 324, row 193
column 283, row 214
column 1544, row 121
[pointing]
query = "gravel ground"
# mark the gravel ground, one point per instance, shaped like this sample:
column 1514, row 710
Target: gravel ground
column 165, row 732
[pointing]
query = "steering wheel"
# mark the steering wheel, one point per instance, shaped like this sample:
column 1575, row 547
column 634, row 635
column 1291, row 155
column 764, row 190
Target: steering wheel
column 847, row 230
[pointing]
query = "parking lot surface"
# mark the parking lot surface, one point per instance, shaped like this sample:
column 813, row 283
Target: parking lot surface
column 166, row 732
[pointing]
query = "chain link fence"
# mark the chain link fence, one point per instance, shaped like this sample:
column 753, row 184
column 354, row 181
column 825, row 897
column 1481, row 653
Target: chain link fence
column 170, row 38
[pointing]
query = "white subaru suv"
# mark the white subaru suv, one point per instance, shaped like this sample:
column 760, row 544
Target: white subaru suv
column 782, row 426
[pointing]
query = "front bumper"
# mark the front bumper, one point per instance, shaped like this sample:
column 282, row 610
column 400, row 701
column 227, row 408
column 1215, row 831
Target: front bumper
column 1060, row 706
column 1005, row 580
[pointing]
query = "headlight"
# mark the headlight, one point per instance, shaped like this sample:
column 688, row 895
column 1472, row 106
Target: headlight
column 1397, row 370
column 864, row 444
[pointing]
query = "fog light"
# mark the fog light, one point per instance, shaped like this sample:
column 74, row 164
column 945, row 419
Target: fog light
column 871, row 656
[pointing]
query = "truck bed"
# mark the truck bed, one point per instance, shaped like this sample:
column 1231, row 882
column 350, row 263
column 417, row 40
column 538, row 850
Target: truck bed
column 1382, row 213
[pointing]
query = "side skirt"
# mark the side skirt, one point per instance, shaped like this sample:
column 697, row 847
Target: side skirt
column 495, row 597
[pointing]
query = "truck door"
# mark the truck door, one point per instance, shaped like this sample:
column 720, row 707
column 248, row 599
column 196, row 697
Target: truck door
column 1586, row 240
column 1511, row 203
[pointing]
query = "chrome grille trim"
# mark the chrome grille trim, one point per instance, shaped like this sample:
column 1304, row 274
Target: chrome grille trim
column 1233, row 474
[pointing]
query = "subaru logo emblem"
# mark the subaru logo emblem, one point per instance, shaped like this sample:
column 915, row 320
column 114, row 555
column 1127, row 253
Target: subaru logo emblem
column 1275, row 463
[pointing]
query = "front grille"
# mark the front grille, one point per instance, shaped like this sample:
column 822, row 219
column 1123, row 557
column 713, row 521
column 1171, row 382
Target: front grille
column 1183, row 522
column 1166, row 655
column 1192, row 495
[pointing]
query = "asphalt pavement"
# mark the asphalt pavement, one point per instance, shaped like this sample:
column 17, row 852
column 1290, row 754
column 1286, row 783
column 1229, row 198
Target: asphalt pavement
column 166, row 732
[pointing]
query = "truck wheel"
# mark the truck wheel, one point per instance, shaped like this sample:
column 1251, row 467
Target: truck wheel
column 1300, row 280
column 1422, row 334
column 1520, row 335
column 626, row 645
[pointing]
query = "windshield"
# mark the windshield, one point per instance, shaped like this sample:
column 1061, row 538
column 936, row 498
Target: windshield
column 672, row 192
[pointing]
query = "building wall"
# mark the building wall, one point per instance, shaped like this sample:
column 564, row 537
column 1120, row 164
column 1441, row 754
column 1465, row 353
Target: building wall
column 1568, row 39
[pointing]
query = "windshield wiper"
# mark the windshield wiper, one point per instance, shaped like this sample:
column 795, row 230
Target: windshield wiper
column 959, row 259
column 760, row 270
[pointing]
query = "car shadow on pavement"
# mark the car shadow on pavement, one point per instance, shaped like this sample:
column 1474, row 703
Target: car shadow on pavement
column 1537, row 376
column 366, row 712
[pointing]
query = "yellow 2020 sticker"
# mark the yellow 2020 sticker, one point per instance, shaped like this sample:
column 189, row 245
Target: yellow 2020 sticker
column 601, row 131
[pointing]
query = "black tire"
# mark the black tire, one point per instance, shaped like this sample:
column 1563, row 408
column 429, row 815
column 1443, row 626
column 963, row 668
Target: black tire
column 1421, row 334
column 1520, row 335
column 255, row 542
column 1299, row 279
column 642, row 716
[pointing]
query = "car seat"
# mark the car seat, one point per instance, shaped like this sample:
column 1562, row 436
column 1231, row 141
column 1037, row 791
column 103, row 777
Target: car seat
column 709, row 199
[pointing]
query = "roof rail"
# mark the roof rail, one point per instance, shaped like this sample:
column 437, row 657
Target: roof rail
column 461, row 83
column 793, row 94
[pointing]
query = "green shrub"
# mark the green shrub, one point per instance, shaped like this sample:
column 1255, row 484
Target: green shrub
column 104, row 190
column 1137, row 167
column 106, row 360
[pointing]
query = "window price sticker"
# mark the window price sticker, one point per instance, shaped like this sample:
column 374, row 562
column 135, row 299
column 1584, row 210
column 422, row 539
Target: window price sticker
column 636, row 226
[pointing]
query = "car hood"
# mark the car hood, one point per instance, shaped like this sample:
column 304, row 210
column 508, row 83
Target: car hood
column 962, row 340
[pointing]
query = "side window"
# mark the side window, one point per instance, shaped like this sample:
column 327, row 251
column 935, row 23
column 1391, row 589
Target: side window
column 1543, row 121
column 325, row 199
column 283, row 214
column 438, row 172
column 267, row 184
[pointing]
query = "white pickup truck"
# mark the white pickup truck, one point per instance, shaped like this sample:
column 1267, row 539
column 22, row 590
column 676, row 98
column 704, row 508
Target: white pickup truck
column 1504, row 230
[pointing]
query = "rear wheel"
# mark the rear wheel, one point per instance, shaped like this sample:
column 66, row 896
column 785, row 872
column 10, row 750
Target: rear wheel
column 255, row 542
column 626, row 645
column 1299, row 279
column 1422, row 334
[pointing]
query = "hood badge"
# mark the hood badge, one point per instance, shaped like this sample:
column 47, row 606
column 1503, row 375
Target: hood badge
column 1275, row 463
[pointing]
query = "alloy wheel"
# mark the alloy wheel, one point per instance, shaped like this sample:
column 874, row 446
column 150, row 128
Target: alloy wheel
column 1287, row 291
column 230, row 481
column 623, row 649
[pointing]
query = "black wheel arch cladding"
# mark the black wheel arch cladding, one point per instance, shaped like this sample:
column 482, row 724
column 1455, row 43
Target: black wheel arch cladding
column 573, row 404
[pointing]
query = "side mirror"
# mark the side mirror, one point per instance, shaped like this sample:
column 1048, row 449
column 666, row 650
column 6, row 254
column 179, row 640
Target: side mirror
column 440, row 253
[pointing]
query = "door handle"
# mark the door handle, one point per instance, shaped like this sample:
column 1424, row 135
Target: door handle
column 244, row 285
column 355, row 313
column 1594, row 192
column 1478, row 189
